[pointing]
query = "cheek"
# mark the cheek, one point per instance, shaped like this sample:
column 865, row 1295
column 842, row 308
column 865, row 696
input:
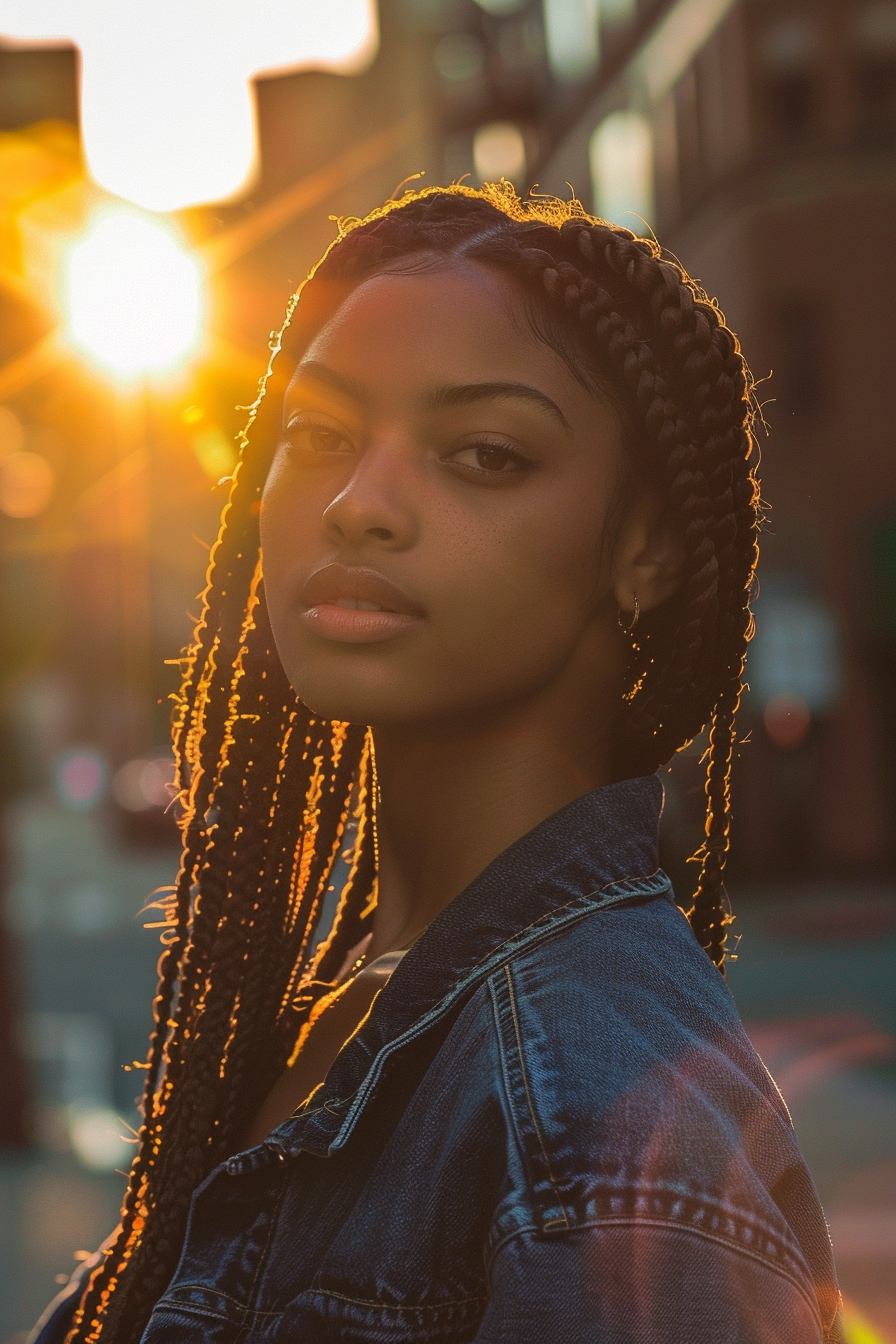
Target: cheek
column 566, row 546
column 524, row 584
column 290, row 526
column 275, row 555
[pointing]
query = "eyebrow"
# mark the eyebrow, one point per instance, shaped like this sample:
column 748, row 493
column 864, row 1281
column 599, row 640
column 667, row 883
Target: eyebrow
column 312, row 370
column 452, row 394
column 464, row 394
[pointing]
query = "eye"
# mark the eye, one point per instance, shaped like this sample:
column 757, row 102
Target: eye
column 305, row 434
column 490, row 458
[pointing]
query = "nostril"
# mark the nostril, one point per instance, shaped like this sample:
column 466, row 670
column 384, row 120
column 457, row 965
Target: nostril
column 381, row 533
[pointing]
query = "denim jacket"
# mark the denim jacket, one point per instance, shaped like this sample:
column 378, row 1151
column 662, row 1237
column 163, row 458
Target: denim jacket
column 551, row 1127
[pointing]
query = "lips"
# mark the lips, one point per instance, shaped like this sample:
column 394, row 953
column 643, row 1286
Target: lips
column 356, row 605
column 348, row 586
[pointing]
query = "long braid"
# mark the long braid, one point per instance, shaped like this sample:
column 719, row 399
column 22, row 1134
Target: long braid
column 704, row 443
column 270, row 794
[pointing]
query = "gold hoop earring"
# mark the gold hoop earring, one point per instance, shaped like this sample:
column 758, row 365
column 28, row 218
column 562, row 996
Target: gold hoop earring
column 630, row 628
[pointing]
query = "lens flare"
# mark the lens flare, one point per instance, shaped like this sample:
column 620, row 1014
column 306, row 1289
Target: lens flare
column 134, row 296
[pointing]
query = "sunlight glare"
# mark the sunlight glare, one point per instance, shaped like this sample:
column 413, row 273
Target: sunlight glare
column 134, row 296
column 167, row 105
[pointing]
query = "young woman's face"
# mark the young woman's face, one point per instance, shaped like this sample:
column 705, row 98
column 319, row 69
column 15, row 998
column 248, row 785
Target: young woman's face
column 433, row 517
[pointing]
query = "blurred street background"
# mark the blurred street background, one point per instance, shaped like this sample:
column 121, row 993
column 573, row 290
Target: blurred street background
column 167, row 175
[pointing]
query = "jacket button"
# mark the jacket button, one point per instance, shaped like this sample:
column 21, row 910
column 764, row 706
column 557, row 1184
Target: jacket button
column 233, row 1166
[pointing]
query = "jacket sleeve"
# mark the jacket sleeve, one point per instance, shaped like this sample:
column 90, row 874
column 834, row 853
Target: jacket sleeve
column 642, row 1283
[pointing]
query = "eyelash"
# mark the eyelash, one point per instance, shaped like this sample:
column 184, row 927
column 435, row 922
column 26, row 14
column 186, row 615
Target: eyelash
column 520, row 461
column 310, row 423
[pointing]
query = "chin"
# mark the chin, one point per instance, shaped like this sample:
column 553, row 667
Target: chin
column 351, row 702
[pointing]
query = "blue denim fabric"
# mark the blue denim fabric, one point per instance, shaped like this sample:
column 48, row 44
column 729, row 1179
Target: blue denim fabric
column 552, row 1126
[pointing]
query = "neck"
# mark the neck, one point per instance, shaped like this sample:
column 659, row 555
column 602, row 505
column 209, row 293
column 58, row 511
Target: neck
column 452, row 797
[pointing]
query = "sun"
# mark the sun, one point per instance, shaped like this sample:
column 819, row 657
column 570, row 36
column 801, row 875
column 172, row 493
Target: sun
column 134, row 296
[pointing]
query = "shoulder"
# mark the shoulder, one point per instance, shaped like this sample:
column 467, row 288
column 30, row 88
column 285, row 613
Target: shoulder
column 626, row 1029
column 626, row 998
column 636, row 1096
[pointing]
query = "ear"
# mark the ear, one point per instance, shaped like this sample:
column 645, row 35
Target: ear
column 649, row 556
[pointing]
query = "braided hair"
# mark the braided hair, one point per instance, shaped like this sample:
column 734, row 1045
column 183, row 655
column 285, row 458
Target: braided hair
column 271, row 794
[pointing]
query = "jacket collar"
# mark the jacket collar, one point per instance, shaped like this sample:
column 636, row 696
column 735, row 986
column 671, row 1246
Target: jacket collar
column 597, row 850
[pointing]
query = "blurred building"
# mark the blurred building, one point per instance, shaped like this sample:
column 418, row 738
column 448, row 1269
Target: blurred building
column 758, row 139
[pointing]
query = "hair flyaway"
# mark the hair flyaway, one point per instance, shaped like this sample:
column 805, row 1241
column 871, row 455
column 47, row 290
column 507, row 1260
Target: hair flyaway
column 271, row 794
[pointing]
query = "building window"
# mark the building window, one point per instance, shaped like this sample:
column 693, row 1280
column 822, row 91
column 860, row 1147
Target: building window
column 621, row 158
column 572, row 33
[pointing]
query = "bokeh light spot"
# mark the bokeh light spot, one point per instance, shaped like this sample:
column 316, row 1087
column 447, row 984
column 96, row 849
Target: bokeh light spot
column 459, row 57
column 96, row 1137
column 499, row 150
column 81, row 778
column 26, row 484
column 500, row 7
column 787, row 720
column 134, row 296
column 144, row 783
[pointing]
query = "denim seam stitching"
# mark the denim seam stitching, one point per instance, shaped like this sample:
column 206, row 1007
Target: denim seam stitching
column 758, row 1225
column 557, row 918
column 525, row 1077
column 508, row 1075
column 431, row 1307
column 202, row 1313
column 672, row 1225
column 720, row 1205
column 498, row 1015
column 262, row 1259
column 170, row 1300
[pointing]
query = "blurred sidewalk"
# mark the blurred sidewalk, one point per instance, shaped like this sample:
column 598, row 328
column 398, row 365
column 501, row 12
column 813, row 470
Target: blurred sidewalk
column 815, row 981
column 87, row 968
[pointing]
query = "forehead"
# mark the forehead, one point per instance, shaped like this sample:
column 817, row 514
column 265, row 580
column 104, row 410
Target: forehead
column 460, row 322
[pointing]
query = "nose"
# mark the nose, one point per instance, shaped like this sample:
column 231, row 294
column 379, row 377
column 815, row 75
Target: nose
column 374, row 507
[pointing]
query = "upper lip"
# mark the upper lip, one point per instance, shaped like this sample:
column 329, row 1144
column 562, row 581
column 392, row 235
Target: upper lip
column 332, row 582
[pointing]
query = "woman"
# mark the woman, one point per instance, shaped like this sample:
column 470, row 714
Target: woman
column 485, row 567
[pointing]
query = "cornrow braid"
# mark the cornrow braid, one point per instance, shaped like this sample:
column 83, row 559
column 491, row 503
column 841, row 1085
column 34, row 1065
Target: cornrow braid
column 271, row 795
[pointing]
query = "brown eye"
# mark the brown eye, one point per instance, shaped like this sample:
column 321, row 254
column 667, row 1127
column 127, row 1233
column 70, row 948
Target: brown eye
column 493, row 458
column 490, row 459
column 310, row 436
column 324, row 440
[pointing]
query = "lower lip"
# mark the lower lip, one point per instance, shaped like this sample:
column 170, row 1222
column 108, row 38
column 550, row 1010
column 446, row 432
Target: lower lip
column 347, row 625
